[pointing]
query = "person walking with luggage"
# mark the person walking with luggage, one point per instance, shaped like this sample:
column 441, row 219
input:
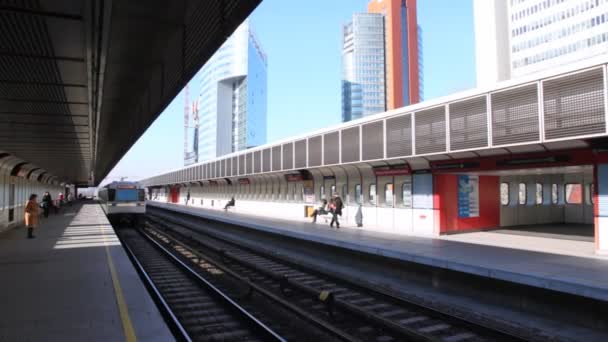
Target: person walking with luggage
column 31, row 215
column 336, row 210
column 47, row 202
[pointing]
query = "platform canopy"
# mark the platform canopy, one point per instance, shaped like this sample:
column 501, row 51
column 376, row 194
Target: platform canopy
column 80, row 81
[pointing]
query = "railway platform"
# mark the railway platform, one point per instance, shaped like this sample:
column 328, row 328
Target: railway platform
column 582, row 274
column 73, row 282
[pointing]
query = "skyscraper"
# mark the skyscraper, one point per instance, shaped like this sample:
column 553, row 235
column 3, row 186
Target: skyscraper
column 363, row 66
column 521, row 37
column 381, row 59
column 402, row 63
column 232, row 99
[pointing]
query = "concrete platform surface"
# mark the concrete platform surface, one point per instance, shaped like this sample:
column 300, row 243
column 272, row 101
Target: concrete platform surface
column 71, row 282
column 582, row 276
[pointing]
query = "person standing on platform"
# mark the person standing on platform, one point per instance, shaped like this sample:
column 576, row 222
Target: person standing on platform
column 188, row 197
column 336, row 210
column 31, row 215
column 47, row 202
column 60, row 199
column 70, row 199
column 359, row 216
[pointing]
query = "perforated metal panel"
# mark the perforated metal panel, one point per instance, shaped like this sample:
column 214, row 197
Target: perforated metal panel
column 300, row 154
column 331, row 148
column 372, row 144
column 229, row 167
column 574, row 105
column 287, row 156
column 241, row 165
column 430, row 130
column 515, row 115
column 468, row 124
column 250, row 162
column 399, row 136
column 266, row 160
column 350, row 145
column 235, row 166
column 276, row 158
column 257, row 161
column 314, row 151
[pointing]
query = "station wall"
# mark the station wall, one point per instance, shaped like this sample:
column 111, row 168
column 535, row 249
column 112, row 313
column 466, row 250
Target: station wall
column 543, row 199
column 14, row 193
column 422, row 204
column 401, row 204
column 446, row 202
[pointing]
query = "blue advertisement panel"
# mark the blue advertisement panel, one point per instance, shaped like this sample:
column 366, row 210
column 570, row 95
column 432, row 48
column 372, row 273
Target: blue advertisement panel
column 468, row 196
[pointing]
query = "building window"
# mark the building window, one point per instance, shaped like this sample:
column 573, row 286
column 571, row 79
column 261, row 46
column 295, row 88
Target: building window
column 388, row 194
column 539, row 193
column 372, row 194
column 554, row 194
column 504, row 193
column 406, row 192
column 345, row 192
column 589, row 194
column 358, row 193
column 574, row 193
column 322, row 192
column 523, row 193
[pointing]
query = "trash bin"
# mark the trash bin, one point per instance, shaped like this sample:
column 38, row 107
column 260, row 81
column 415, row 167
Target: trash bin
column 308, row 209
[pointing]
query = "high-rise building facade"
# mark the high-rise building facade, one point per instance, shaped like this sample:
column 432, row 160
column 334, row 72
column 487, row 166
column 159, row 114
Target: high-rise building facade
column 521, row 37
column 363, row 66
column 381, row 59
column 402, row 43
column 232, row 99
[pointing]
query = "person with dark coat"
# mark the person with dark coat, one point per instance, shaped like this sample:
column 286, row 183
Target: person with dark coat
column 47, row 202
column 230, row 203
column 322, row 210
column 336, row 209
column 31, row 215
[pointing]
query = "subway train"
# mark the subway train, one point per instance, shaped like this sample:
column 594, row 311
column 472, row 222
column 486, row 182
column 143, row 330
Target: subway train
column 123, row 202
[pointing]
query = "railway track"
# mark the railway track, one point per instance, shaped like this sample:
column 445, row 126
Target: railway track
column 352, row 311
column 198, row 311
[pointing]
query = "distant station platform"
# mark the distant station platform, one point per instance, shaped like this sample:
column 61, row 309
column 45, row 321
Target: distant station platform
column 527, row 258
column 73, row 282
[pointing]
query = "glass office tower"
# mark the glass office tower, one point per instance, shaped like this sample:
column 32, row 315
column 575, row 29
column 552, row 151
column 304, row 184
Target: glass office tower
column 363, row 66
column 232, row 98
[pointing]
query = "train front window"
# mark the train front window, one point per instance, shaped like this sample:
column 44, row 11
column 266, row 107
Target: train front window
column 127, row 195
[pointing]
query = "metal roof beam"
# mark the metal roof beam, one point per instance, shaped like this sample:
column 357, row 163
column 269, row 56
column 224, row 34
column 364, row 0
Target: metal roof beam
column 30, row 11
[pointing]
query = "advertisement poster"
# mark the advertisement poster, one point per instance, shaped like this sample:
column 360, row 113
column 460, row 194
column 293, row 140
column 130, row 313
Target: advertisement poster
column 307, row 188
column 468, row 196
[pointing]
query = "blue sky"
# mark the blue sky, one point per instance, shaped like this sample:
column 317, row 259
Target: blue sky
column 302, row 41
